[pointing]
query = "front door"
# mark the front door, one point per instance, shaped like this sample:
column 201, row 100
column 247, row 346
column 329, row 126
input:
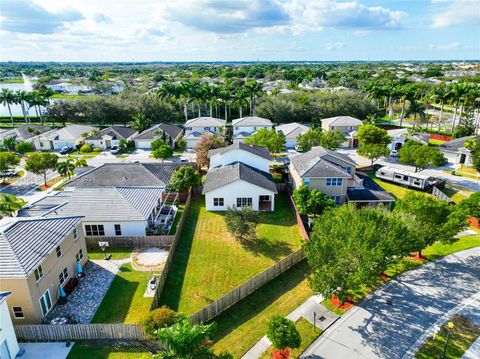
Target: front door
column 45, row 303
column 108, row 143
column 463, row 157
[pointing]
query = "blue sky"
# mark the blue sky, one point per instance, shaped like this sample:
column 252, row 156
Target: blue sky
column 238, row 30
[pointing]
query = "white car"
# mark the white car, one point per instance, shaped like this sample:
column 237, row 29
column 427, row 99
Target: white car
column 114, row 150
column 393, row 153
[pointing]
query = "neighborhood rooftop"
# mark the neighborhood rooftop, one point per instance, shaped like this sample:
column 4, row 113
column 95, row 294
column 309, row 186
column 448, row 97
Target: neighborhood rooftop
column 252, row 121
column 116, row 132
column 150, row 133
column 342, row 121
column 457, row 143
column 26, row 243
column 256, row 150
column 205, row 122
column 222, row 176
column 292, row 130
column 318, row 162
column 370, row 192
column 25, row 132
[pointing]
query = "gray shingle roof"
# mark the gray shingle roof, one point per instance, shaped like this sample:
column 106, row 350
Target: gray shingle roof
column 27, row 242
column 98, row 204
column 149, row 134
column 457, row 143
column 371, row 191
column 292, row 130
column 252, row 121
column 342, row 121
column 127, row 175
column 116, row 132
column 321, row 162
column 221, row 176
column 205, row 122
column 25, row 132
column 256, row 150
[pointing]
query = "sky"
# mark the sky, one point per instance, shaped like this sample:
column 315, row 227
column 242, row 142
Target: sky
column 239, row 30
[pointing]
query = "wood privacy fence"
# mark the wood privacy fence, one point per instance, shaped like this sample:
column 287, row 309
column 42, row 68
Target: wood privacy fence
column 144, row 241
column 168, row 262
column 50, row 332
column 440, row 195
column 301, row 225
column 234, row 296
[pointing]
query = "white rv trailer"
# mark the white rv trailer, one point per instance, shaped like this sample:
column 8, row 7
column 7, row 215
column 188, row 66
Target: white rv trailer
column 405, row 178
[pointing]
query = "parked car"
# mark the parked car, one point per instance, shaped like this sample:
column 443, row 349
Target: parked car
column 393, row 153
column 115, row 150
column 65, row 150
column 10, row 173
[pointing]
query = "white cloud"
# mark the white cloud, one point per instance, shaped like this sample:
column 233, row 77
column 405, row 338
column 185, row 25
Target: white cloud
column 459, row 12
column 330, row 46
column 446, row 47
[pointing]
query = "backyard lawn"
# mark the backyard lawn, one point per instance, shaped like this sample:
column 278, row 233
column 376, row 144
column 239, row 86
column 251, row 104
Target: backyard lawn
column 456, row 194
column 209, row 262
column 242, row 325
column 124, row 301
column 83, row 351
column 117, row 253
column 398, row 191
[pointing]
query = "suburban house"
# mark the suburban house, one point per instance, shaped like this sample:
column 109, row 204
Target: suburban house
column 455, row 151
column 26, row 133
column 244, row 127
column 171, row 134
column 239, row 177
column 38, row 256
column 347, row 125
column 196, row 127
column 291, row 132
column 334, row 174
column 106, row 211
column 68, row 136
column 401, row 135
column 9, row 348
column 111, row 136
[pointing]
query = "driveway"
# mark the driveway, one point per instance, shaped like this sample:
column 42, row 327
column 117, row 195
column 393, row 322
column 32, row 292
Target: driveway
column 376, row 329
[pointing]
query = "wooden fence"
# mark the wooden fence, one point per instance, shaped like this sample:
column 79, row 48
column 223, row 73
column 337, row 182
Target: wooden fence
column 234, row 296
column 50, row 332
column 123, row 241
column 168, row 262
column 440, row 195
column 301, row 225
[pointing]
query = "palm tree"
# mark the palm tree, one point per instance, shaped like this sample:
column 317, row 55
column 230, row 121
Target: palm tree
column 440, row 94
column 185, row 93
column 241, row 99
column 67, row 168
column 225, row 96
column 254, row 89
column 456, row 95
column 140, row 122
column 23, row 98
column 37, row 100
column 416, row 109
column 10, row 204
column 183, row 340
column 7, row 98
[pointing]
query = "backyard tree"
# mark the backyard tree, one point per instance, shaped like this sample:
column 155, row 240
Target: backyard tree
column 41, row 164
column 184, row 178
column 373, row 151
column 350, row 247
column 315, row 136
column 271, row 139
column 432, row 220
column 471, row 205
column 420, row 156
column 311, row 202
column 371, row 134
column 474, row 147
column 241, row 223
column 8, row 161
column 23, row 147
column 163, row 152
column 283, row 334
column 10, row 204
column 9, row 143
column 160, row 318
column 206, row 143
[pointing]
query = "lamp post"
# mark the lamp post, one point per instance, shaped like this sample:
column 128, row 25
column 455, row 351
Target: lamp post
column 450, row 327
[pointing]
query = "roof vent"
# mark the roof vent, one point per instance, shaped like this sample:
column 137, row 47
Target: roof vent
column 125, row 178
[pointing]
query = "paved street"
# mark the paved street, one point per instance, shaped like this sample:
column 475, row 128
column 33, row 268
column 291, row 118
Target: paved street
column 375, row 329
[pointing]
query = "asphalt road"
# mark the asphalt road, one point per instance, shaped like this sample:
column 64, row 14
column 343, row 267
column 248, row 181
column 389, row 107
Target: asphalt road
column 376, row 329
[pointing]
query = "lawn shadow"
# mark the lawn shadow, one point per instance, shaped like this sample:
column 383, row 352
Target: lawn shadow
column 268, row 247
column 172, row 290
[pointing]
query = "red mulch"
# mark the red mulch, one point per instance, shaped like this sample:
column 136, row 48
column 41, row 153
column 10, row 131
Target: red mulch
column 474, row 222
column 435, row 136
column 44, row 188
column 416, row 256
column 281, row 353
column 337, row 304
column 384, row 276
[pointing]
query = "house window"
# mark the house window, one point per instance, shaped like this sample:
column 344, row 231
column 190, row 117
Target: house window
column 75, row 234
column 336, row 199
column 332, row 128
column 264, row 198
column 45, row 303
column 218, row 202
column 334, row 181
column 63, row 276
column 188, row 128
column 118, row 230
column 94, row 230
column 244, row 202
column 306, row 181
column 38, row 273
column 254, row 128
column 350, row 128
column 58, row 250
column 207, row 128
column 79, row 255
column 18, row 313
column 348, row 169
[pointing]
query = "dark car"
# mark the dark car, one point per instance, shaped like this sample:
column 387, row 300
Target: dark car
column 65, row 150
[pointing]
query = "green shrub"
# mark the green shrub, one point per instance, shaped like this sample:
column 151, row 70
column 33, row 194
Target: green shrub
column 97, row 150
column 160, row 318
column 86, row 148
column 277, row 177
column 23, row 147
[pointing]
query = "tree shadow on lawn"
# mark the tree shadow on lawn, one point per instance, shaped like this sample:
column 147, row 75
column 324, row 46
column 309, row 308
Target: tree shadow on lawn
column 282, row 216
column 259, row 300
column 267, row 247
column 172, row 290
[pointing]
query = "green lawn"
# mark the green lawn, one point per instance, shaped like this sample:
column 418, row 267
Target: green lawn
column 308, row 333
column 209, row 262
column 398, row 191
column 124, row 301
column 456, row 194
column 242, row 325
column 435, row 142
column 462, row 336
column 117, row 253
column 84, row 351
column 178, row 215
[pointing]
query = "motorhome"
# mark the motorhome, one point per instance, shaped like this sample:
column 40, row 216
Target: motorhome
column 406, row 178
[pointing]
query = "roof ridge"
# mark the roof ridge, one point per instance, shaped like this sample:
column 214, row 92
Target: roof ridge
column 17, row 259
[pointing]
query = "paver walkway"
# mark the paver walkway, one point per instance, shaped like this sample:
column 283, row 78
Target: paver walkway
column 309, row 309
column 54, row 350
column 83, row 302
column 474, row 351
column 377, row 329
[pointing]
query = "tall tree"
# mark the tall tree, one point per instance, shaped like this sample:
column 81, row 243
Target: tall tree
column 8, row 98
column 140, row 122
column 269, row 138
column 8, row 161
column 184, row 178
column 420, row 156
column 42, row 164
column 315, row 136
column 283, row 334
column 206, row 143
column 10, row 204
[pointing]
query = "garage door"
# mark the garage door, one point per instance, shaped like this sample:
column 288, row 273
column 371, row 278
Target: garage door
column 144, row 144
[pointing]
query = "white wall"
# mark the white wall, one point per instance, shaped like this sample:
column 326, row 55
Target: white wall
column 238, row 155
column 236, row 189
column 201, row 129
column 132, row 228
column 249, row 129
column 191, row 143
column 6, row 330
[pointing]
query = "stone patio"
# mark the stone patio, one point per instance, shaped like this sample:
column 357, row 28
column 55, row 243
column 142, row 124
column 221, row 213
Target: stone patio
column 83, row 302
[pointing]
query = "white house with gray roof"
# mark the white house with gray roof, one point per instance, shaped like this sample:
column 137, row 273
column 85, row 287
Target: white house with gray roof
column 171, row 134
column 244, row 127
column 347, row 125
column 239, row 177
column 196, row 127
column 26, row 133
column 111, row 136
column 291, row 132
column 37, row 257
column 455, row 151
column 56, row 139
